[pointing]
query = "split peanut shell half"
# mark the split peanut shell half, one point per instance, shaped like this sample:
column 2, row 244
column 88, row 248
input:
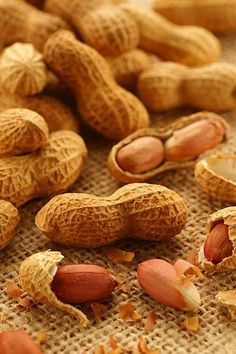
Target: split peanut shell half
column 216, row 175
column 224, row 245
column 36, row 274
column 143, row 162
column 228, row 299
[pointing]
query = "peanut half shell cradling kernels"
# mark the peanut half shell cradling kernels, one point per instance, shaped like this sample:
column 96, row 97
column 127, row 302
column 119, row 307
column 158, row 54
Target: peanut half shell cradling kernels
column 138, row 210
column 59, row 287
column 218, row 251
column 216, row 175
column 149, row 152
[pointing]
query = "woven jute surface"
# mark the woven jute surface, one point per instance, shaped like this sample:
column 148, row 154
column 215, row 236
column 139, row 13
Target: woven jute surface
column 217, row 330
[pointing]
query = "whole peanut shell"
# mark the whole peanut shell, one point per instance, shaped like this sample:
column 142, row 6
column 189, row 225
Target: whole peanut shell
column 140, row 211
column 9, row 220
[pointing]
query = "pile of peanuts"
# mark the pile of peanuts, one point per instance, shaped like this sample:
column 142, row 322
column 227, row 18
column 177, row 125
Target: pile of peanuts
column 112, row 63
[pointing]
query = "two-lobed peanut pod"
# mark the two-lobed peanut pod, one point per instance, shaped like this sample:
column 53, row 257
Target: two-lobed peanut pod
column 166, row 86
column 215, row 15
column 148, row 152
column 140, row 211
column 187, row 45
column 108, row 108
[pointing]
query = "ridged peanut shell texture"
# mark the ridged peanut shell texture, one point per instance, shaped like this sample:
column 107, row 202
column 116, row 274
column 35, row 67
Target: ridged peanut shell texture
column 228, row 217
column 9, row 220
column 110, row 30
column 21, row 131
column 216, row 175
column 103, row 104
column 44, row 173
column 152, row 161
column 57, row 115
column 187, row 45
column 36, row 275
column 22, row 22
column 166, row 86
column 215, row 15
column 140, row 211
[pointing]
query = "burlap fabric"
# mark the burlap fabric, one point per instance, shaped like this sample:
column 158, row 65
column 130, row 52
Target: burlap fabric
column 217, row 331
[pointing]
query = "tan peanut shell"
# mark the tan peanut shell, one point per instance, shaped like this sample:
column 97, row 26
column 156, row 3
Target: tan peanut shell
column 168, row 85
column 36, row 274
column 215, row 15
column 22, row 70
column 110, row 30
column 128, row 66
column 228, row 216
column 216, row 176
column 105, row 106
column 163, row 134
column 228, row 299
column 187, row 45
column 56, row 88
column 44, row 173
column 21, row 131
column 9, row 220
column 140, row 211
column 22, row 22
column 57, row 115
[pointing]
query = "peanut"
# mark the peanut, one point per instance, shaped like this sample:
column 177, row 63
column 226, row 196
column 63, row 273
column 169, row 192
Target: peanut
column 166, row 86
column 218, row 245
column 9, row 220
column 100, row 24
column 21, row 131
column 215, row 15
column 22, row 70
column 187, row 45
column 148, row 152
column 141, row 155
column 47, row 172
column 12, row 342
column 128, row 66
column 139, row 211
column 76, row 284
column 34, row 28
column 57, row 115
column 104, row 105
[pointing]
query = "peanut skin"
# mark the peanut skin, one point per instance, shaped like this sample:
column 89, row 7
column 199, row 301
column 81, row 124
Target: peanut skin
column 9, row 220
column 215, row 15
column 76, row 284
column 100, row 24
column 104, row 105
column 139, row 211
column 10, row 340
column 166, row 86
column 34, row 28
column 187, row 45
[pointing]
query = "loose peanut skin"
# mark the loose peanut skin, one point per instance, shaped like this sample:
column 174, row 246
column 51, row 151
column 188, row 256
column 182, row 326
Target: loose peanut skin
column 140, row 211
column 34, row 28
column 12, row 342
column 76, row 284
column 194, row 139
column 104, row 105
column 142, row 154
column 187, row 45
column 100, row 24
column 9, row 220
column 166, row 86
column 215, row 15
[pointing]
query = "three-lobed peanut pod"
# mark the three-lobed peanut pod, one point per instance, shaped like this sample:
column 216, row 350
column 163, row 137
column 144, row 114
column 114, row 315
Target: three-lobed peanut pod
column 140, row 211
column 9, row 220
column 22, row 22
column 148, row 152
column 46, row 172
column 189, row 45
column 215, row 15
column 100, row 24
column 166, row 86
column 105, row 106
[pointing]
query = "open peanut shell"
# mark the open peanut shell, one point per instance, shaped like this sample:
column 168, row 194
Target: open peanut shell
column 216, row 175
column 163, row 134
column 228, row 216
column 36, row 274
column 228, row 299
